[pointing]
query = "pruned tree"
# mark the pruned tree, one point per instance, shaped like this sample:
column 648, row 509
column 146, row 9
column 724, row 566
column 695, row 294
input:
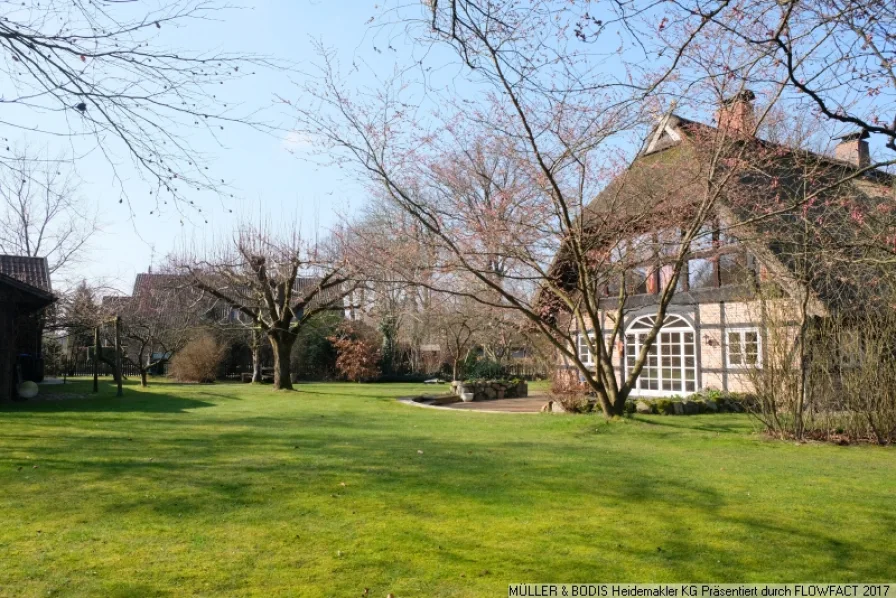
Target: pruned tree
column 278, row 284
column 42, row 213
column 104, row 76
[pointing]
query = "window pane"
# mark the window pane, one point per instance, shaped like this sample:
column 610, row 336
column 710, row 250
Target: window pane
column 700, row 273
column 733, row 269
column 751, row 347
column 734, row 348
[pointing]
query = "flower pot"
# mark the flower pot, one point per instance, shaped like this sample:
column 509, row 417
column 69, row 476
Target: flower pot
column 467, row 397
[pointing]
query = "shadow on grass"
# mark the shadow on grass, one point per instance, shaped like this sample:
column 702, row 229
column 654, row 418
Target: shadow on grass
column 79, row 397
column 720, row 423
column 421, row 480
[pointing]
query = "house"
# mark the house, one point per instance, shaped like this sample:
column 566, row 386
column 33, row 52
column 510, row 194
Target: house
column 782, row 228
column 25, row 292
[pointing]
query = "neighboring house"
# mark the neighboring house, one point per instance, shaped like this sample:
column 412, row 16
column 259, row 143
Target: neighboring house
column 717, row 326
column 25, row 292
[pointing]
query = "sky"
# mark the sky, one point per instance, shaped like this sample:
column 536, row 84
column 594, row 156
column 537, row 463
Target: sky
column 270, row 175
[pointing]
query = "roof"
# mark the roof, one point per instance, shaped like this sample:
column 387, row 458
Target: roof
column 28, row 298
column 33, row 271
column 759, row 182
column 148, row 287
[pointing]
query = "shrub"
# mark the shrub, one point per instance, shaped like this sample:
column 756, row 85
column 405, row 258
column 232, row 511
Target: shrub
column 198, row 361
column 664, row 407
column 566, row 385
column 358, row 355
column 484, row 368
column 576, row 404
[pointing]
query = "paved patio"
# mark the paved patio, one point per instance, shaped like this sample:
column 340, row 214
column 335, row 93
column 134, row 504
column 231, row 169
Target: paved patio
column 531, row 404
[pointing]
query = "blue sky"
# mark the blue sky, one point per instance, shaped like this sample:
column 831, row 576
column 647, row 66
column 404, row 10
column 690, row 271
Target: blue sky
column 270, row 179
column 268, row 175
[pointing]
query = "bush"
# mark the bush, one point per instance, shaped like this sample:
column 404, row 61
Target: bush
column 484, row 368
column 568, row 386
column 664, row 407
column 358, row 355
column 576, row 404
column 198, row 361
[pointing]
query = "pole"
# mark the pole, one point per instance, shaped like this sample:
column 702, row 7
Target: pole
column 96, row 359
column 119, row 392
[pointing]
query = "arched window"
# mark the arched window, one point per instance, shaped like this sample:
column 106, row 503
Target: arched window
column 671, row 365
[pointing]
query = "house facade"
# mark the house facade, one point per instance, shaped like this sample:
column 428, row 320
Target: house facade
column 753, row 274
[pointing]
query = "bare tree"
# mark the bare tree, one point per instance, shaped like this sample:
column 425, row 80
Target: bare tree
column 502, row 188
column 277, row 284
column 42, row 213
column 836, row 57
column 157, row 321
column 103, row 73
column 459, row 328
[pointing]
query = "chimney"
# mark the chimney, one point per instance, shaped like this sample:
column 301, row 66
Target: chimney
column 736, row 116
column 853, row 148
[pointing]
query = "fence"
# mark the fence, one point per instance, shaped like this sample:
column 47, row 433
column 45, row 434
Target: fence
column 85, row 368
column 525, row 371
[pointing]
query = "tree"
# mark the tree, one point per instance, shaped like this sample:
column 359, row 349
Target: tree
column 101, row 75
column 459, row 330
column 277, row 284
column 157, row 321
column 834, row 57
column 500, row 183
column 42, row 213
column 77, row 315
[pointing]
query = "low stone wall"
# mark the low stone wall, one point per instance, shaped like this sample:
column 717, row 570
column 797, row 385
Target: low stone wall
column 488, row 390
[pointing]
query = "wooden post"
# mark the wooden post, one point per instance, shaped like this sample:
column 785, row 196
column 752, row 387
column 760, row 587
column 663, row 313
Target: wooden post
column 96, row 359
column 119, row 392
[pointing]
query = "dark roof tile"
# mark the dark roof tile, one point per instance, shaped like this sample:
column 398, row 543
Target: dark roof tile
column 30, row 270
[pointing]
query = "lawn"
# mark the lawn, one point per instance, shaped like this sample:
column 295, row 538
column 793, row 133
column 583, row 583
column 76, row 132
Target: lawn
column 237, row 490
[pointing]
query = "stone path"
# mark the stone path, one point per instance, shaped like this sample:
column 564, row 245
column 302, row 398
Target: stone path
column 531, row 404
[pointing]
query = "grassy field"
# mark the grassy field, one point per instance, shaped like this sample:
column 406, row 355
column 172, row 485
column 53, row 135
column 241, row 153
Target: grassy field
column 234, row 490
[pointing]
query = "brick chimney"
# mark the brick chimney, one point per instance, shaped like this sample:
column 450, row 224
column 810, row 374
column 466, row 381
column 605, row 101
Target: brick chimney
column 853, row 148
column 736, row 115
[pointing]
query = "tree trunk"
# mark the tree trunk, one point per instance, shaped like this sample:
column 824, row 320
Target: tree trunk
column 118, row 391
column 143, row 380
column 256, row 363
column 96, row 359
column 282, row 343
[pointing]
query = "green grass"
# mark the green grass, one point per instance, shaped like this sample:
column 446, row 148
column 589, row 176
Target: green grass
column 236, row 490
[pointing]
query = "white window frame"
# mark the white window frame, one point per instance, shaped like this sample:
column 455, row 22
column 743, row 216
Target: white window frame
column 674, row 324
column 587, row 358
column 742, row 346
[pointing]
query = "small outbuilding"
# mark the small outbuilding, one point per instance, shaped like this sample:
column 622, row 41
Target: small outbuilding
column 25, row 293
